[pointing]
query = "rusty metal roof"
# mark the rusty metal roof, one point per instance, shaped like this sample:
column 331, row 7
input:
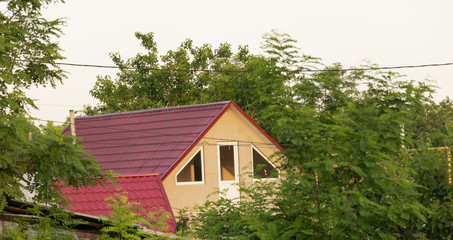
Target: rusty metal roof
column 147, row 190
column 147, row 141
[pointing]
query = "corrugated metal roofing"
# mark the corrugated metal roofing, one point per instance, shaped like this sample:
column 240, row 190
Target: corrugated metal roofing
column 145, row 142
column 145, row 189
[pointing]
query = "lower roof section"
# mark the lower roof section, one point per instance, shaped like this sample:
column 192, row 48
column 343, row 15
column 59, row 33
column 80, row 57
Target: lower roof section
column 147, row 190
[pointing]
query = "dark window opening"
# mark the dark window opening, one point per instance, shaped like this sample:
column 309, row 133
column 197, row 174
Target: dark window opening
column 227, row 171
column 261, row 167
column 192, row 172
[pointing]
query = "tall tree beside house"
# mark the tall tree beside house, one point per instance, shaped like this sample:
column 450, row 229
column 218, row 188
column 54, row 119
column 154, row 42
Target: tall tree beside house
column 213, row 74
column 350, row 166
column 346, row 134
column 42, row 162
column 343, row 175
column 139, row 86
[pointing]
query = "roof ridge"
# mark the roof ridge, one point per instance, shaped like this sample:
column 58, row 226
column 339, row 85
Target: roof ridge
column 152, row 110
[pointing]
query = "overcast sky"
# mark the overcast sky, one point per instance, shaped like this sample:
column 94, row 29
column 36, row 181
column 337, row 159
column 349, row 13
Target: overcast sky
column 386, row 32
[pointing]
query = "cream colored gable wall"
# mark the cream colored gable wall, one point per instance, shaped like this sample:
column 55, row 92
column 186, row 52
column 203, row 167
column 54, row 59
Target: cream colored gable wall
column 231, row 127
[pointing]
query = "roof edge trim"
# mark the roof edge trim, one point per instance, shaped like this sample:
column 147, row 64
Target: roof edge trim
column 197, row 140
column 167, row 202
column 256, row 126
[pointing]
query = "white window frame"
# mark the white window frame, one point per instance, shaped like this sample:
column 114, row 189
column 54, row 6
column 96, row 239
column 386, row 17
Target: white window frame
column 236, row 161
column 265, row 158
column 202, row 170
column 229, row 189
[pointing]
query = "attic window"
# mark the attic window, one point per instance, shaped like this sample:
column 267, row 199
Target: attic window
column 227, row 163
column 262, row 168
column 192, row 172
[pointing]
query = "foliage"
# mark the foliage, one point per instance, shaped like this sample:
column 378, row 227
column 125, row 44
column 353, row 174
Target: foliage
column 27, row 53
column 43, row 164
column 360, row 183
column 140, row 86
column 43, row 223
column 433, row 123
column 347, row 134
column 127, row 220
column 430, row 170
column 346, row 137
column 182, row 224
column 146, row 88
column 47, row 161
column 359, row 192
column 239, row 219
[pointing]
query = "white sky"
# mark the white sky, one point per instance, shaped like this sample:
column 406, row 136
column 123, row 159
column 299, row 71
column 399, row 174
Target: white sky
column 386, row 32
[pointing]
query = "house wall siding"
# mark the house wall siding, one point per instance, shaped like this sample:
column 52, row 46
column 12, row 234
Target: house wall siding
column 231, row 127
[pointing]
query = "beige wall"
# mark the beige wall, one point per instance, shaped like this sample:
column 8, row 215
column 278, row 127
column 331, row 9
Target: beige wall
column 232, row 126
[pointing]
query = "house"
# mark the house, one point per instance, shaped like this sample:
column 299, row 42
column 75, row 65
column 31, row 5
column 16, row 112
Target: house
column 192, row 150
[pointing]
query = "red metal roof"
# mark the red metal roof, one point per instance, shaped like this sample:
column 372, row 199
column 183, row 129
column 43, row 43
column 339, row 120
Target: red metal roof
column 144, row 189
column 148, row 141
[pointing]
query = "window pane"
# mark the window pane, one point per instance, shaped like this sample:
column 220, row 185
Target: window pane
column 261, row 167
column 192, row 172
column 197, row 167
column 227, row 163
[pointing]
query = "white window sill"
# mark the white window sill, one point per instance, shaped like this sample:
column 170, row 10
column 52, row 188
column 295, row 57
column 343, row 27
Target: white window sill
column 190, row 183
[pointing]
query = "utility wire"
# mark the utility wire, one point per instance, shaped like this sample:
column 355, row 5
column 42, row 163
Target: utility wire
column 168, row 134
column 162, row 143
column 151, row 69
column 381, row 68
column 123, row 144
column 56, row 105
column 160, row 134
column 245, row 71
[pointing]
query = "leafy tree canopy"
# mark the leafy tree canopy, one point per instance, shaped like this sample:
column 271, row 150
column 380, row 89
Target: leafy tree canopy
column 36, row 160
column 352, row 166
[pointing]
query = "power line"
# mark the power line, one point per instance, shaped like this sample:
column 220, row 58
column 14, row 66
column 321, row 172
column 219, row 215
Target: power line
column 56, row 105
column 42, row 120
column 382, row 68
column 123, row 144
column 174, row 134
column 148, row 68
column 248, row 71
column 261, row 144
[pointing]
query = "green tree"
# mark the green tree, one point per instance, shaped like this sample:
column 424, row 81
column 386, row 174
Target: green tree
column 140, row 86
column 432, row 128
column 348, row 171
column 254, row 82
column 345, row 162
column 47, row 161
column 430, row 171
column 127, row 220
column 433, row 123
column 342, row 172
